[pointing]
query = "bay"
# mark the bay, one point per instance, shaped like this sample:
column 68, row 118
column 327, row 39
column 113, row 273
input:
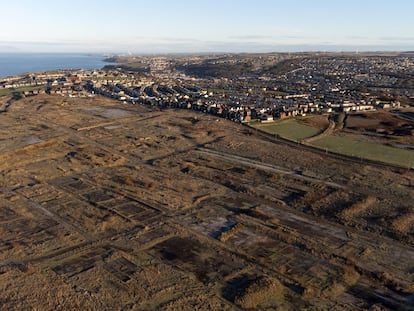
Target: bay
column 19, row 63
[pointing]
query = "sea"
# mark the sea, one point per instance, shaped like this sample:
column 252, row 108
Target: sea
column 19, row 63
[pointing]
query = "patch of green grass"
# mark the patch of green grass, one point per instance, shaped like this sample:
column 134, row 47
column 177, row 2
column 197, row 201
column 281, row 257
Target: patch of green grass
column 275, row 93
column 106, row 78
column 7, row 92
column 129, row 66
column 135, row 65
column 254, row 123
column 290, row 129
column 360, row 147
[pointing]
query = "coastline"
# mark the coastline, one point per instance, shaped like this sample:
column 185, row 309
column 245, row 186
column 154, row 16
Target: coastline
column 13, row 64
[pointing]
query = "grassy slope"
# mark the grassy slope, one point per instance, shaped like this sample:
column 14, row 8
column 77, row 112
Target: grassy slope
column 7, row 92
column 346, row 144
column 356, row 146
column 290, row 129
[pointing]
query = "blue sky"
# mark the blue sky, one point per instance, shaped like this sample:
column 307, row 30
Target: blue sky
column 162, row 26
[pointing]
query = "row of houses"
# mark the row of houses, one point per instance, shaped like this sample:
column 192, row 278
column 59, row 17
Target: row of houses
column 242, row 108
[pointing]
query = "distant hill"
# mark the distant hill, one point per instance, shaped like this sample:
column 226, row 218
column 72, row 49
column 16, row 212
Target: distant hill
column 126, row 63
column 209, row 69
column 236, row 66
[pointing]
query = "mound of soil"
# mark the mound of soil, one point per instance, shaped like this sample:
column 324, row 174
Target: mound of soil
column 379, row 122
column 320, row 122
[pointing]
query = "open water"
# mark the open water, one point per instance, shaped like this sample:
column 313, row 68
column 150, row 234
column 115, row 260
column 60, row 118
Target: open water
column 19, row 63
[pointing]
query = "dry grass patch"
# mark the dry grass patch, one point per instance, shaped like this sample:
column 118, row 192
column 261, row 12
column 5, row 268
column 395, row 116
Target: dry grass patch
column 404, row 223
column 263, row 291
column 357, row 209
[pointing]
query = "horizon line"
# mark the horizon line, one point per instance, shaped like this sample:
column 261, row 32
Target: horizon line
column 130, row 53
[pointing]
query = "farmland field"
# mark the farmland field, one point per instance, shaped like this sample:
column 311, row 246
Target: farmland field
column 359, row 147
column 290, row 129
column 6, row 92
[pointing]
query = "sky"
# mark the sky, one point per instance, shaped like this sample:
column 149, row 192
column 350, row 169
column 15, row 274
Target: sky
column 189, row 26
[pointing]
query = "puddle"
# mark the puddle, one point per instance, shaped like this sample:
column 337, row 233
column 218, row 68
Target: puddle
column 107, row 112
column 31, row 140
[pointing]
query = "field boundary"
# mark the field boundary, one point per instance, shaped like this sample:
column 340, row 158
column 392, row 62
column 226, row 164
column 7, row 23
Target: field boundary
column 326, row 132
column 275, row 138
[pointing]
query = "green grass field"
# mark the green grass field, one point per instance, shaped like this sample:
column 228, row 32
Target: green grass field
column 357, row 146
column 346, row 144
column 290, row 129
column 135, row 65
column 7, row 92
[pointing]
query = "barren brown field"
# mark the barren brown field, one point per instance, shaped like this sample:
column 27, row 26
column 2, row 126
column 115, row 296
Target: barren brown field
column 105, row 206
column 319, row 121
column 387, row 124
